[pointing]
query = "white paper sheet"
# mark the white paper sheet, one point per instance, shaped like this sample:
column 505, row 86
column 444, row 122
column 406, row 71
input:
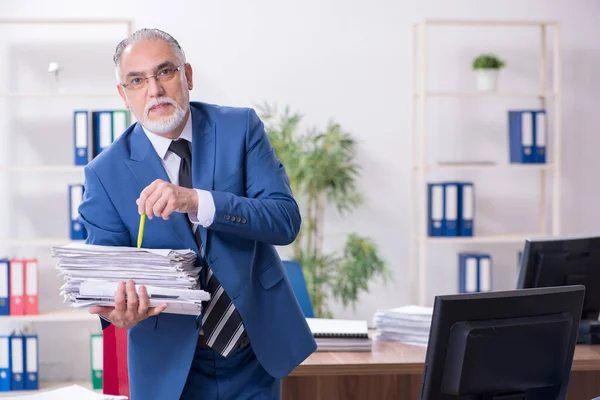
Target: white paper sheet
column 73, row 392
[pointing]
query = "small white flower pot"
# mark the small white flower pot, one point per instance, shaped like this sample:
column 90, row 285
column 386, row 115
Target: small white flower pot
column 487, row 79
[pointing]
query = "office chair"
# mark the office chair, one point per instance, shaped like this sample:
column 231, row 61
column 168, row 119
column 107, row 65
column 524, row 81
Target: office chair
column 295, row 275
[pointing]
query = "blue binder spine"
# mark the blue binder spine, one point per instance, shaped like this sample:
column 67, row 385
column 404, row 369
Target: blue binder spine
column 4, row 286
column 435, row 209
column 520, row 126
column 102, row 130
column 484, row 273
column 31, row 358
column 450, row 209
column 17, row 381
column 466, row 209
column 81, row 137
column 541, row 135
column 77, row 230
column 5, row 357
column 467, row 273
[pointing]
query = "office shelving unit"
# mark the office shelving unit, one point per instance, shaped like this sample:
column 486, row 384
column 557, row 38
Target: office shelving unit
column 420, row 242
column 64, row 315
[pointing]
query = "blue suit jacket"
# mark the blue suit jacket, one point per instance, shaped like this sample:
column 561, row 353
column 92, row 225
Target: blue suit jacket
column 255, row 210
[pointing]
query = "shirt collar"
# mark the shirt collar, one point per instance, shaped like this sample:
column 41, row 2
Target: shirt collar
column 161, row 144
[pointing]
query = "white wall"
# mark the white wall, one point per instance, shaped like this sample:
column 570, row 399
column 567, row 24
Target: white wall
column 350, row 60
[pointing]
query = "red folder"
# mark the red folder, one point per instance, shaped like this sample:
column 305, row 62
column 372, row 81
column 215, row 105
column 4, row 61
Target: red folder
column 17, row 287
column 31, row 286
column 115, row 376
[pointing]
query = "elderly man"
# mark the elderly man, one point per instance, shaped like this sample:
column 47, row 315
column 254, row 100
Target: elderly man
column 208, row 179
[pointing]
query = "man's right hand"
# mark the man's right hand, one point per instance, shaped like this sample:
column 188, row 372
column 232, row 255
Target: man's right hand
column 127, row 314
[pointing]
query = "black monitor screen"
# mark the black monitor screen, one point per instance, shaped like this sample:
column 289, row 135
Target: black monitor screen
column 511, row 345
column 564, row 261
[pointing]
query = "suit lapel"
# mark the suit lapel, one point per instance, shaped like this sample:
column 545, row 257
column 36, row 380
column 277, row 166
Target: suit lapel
column 146, row 166
column 203, row 155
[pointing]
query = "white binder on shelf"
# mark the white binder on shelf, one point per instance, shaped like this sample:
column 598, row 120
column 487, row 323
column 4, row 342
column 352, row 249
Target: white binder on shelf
column 450, row 209
column 81, row 137
column 435, row 207
column 31, row 361
column 541, row 132
column 17, row 352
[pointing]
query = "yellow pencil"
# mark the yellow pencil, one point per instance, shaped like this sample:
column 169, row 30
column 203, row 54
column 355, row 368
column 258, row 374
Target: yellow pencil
column 141, row 230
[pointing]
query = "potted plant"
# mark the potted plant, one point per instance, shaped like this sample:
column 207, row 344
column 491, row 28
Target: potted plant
column 487, row 67
column 322, row 170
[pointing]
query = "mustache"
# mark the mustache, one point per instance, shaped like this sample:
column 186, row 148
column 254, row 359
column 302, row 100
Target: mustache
column 158, row 101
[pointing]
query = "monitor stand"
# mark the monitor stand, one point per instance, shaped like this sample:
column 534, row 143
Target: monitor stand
column 589, row 332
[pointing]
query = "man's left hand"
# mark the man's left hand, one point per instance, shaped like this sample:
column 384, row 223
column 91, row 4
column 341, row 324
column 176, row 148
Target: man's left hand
column 162, row 198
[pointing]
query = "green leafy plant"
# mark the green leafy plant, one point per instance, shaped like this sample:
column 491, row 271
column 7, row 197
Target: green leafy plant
column 322, row 171
column 488, row 61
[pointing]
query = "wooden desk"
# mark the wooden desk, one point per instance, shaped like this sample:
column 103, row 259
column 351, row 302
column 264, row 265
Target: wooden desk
column 394, row 371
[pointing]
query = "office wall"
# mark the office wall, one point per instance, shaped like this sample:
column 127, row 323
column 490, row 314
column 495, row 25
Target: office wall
column 350, row 60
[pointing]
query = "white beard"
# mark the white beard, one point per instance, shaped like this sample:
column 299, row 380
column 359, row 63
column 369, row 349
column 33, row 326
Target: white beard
column 165, row 124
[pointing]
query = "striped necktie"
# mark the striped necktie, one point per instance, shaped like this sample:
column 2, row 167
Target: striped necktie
column 221, row 321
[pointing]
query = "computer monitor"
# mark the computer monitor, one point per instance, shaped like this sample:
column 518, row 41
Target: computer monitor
column 503, row 345
column 549, row 262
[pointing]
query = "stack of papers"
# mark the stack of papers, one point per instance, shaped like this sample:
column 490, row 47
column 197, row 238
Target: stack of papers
column 408, row 324
column 340, row 334
column 73, row 392
column 93, row 272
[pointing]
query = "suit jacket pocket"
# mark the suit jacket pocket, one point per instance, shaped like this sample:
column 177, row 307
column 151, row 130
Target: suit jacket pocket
column 270, row 275
column 234, row 183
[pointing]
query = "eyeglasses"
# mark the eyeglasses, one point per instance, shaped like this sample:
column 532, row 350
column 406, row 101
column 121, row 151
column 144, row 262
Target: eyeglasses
column 164, row 75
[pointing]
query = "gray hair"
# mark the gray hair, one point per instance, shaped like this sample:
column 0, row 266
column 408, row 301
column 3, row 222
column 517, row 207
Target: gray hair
column 146, row 34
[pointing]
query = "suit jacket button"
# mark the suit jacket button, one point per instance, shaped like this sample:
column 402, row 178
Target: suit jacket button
column 238, row 219
column 243, row 220
column 227, row 217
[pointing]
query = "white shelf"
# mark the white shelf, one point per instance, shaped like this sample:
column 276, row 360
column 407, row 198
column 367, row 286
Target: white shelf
column 34, row 95
column 506, row 238
column 45, row 387
column 487, row 22
column 546, row 93
column 40, row 242
column 66, row 315
column 41, row 168
column 485, row 94
column 486, row 166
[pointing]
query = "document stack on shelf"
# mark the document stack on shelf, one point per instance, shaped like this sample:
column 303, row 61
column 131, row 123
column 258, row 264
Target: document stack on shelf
column 92, row 274
column 340, row 334
column 408, row 324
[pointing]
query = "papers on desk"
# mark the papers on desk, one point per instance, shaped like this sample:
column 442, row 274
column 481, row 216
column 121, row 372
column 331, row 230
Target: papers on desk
column 340, row 334
column 73, row 392
column 92, row 274
column 408, row 324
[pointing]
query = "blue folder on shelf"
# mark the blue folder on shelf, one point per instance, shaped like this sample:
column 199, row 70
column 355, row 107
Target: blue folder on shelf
column 527, row 136
column 102, row 130
column 540, row 129
column 475, row 272
column 466, row 209
column 4, row 286
column 451, row 202
column 435, row 209
column 77, row 230
column 5, row 361
column 81, row 137
column 31, row 361
column 17, row 363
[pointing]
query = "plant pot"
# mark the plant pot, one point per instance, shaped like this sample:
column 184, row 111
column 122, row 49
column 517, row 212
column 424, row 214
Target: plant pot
column 487, row 79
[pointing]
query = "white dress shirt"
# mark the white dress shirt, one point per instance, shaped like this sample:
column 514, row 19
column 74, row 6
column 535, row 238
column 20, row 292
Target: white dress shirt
column 170, row 161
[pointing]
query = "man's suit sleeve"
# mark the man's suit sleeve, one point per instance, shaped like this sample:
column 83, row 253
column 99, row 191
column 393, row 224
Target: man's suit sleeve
column 100, row 218
column 268, row 212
